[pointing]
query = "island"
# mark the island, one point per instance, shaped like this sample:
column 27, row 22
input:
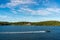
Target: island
column 42, row 23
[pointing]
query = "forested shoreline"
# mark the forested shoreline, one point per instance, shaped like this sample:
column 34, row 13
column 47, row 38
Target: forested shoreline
column 44, row 23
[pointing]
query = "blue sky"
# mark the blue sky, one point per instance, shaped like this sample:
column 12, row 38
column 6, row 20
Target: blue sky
column 29, row 10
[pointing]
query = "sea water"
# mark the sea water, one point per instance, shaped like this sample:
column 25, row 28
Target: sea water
column 15, row 33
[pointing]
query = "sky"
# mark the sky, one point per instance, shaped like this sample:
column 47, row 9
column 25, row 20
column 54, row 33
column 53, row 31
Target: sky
column 29, row 10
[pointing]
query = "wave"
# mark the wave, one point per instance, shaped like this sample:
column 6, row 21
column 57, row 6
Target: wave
column 22, row 32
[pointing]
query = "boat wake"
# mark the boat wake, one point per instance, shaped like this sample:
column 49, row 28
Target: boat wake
column 22, row 32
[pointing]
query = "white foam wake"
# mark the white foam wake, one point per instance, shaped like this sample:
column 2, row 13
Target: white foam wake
column 22, row 32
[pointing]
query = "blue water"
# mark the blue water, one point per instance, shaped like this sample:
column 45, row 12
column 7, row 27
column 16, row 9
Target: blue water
column 53, row 35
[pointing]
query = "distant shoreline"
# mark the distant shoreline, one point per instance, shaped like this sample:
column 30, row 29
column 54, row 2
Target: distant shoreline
column 44, row 23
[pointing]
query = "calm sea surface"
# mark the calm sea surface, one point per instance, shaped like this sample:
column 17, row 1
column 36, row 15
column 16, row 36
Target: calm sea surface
column 53, row 35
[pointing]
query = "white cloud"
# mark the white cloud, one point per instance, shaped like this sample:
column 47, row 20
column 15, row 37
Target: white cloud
column 56, row 10
column 4, row 18
column 27, row 10
column 8, row 18
column 13, row 10
column 34, row 12
column 13, row 3
column 42, row 12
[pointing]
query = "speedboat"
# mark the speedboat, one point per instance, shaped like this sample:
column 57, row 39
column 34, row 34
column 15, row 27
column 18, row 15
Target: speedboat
column 47, row 31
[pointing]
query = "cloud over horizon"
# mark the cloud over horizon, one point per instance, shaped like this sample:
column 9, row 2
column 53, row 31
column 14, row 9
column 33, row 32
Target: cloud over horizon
column 28, row 8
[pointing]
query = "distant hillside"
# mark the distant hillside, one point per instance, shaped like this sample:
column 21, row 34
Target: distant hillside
column 44, row 23
column 47, row 23
column 4, row 23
